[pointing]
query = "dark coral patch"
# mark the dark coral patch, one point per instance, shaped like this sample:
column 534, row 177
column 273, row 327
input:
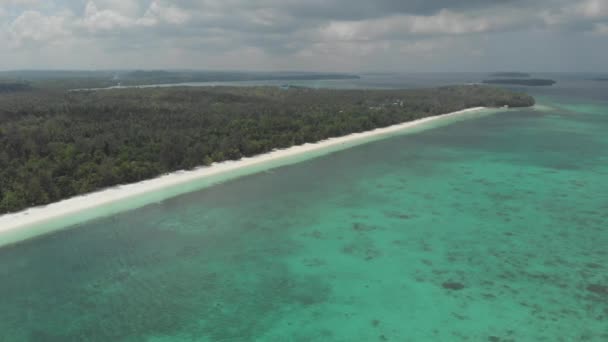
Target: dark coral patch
column 598, row 289
column 452, row 286
column 360, row 227
column 399, row 215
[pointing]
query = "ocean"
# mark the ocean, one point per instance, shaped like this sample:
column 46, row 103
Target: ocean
column 488, row 229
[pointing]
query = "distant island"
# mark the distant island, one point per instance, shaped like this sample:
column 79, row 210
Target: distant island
column 56, row 144
column 510, row 74
column 142, row 77
column 14, row 87
column 600, row 79
column 521, row 81
column 103, row 79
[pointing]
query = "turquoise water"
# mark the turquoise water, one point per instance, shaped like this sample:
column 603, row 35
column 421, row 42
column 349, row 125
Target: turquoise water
column 492, row 229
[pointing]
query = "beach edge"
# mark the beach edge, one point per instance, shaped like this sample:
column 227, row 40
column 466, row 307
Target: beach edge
column 36, row 221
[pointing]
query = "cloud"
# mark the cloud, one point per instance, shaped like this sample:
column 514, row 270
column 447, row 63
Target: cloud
column 311, row 34
column 96, row 20
column 405, row 26
column 21, row 2
column 593, row 8
column 124, row 7
column 352, row 10
column 576, row 13
column 34, row 27
column 159, row 12
column 601, row 29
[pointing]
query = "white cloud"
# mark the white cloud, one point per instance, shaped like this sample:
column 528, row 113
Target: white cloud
column 21, row 2
column 34, row 27
column 593, row 8
column 446, row 22
column 102, row 20
column 96, row 20
column 124, row 7
column 601, row 29
column 575, row 12
column 403, row 26
column 159, row 12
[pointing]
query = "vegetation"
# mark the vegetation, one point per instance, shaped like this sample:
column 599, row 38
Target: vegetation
column 522, row 81
column 57, row 144
column 160, row 77
column 13, row 87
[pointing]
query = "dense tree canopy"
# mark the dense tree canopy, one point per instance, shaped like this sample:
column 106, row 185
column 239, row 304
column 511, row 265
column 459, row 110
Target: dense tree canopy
column 54, row 145
column 11, row 87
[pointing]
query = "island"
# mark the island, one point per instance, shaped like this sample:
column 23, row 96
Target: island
column 143, row 77
column 510, row 74
column 112, row 78
column 57, row 144
column 535, row 82
column 10, row 87
column 600, row 79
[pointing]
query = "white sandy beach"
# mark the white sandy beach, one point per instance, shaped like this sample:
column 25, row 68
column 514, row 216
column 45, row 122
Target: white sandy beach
column 39, row 220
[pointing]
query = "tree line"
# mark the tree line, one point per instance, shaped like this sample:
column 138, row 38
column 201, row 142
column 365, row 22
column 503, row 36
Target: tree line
column 56, row 144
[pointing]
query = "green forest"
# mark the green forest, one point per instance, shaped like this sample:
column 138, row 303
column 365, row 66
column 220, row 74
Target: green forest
column 56, row 144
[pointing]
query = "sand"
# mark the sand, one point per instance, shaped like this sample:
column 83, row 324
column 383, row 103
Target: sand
column 36, row 221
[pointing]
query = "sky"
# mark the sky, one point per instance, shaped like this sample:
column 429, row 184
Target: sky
column 306, row 35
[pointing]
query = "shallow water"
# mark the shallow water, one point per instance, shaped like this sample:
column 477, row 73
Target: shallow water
column 493, row 229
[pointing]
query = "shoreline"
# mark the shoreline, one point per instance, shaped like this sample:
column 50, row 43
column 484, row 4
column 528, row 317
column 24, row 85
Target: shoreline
column 36, row 221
